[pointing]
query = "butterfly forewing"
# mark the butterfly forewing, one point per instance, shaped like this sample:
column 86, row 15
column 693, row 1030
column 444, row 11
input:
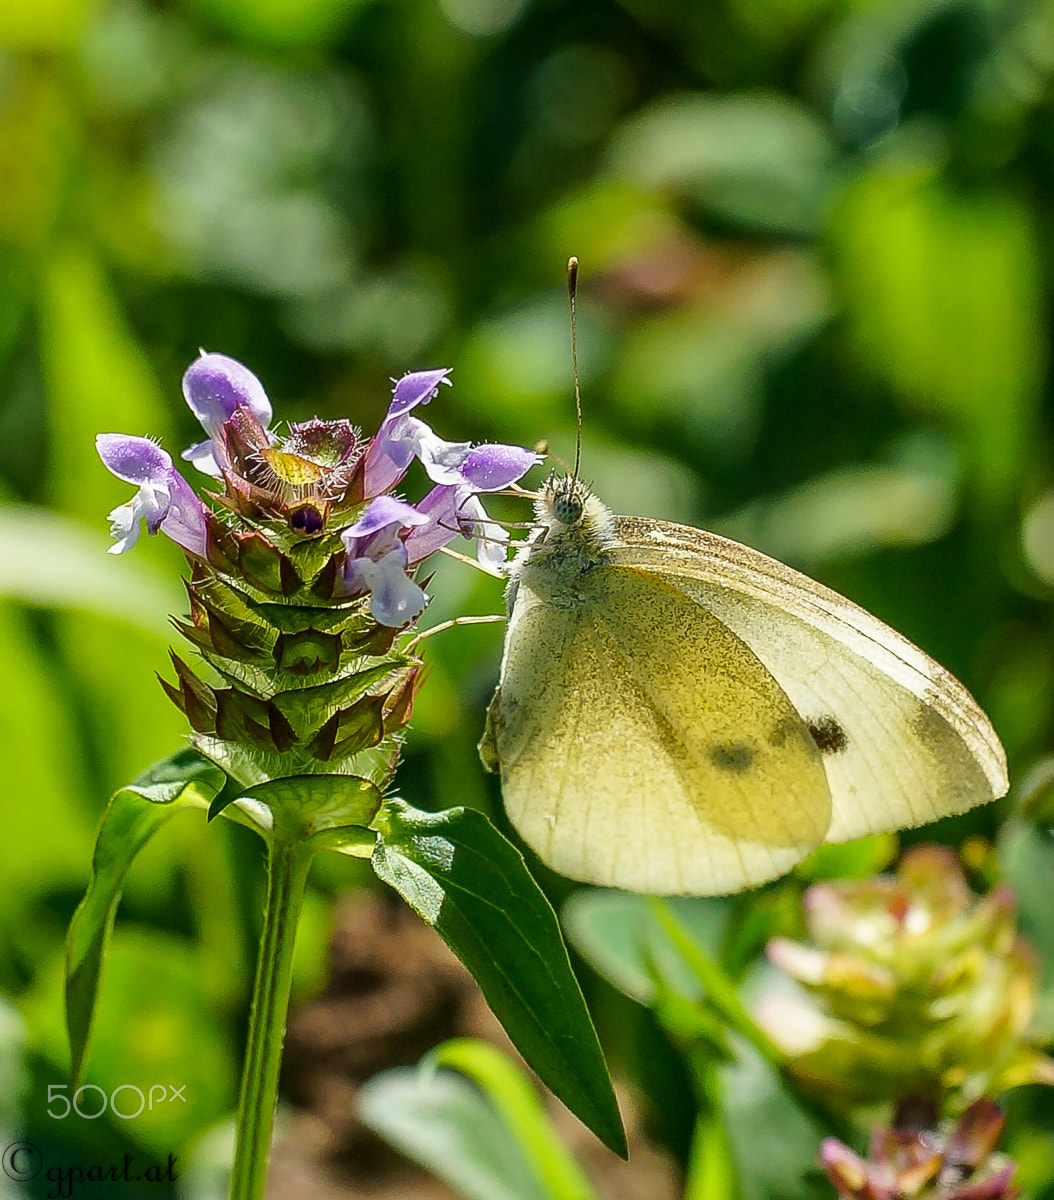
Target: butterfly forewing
column 656, row 754
column 902, row 740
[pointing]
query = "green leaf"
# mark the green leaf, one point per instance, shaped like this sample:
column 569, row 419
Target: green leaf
column 445, row 1124
column 471, row 885
column 850, row 860
column 516, row 1100
column 130, row 820
column 330, row 806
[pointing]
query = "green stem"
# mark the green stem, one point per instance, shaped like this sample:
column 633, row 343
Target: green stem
column 287, row 871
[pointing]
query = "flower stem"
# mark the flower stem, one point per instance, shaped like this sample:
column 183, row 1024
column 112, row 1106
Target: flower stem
column 287, row 870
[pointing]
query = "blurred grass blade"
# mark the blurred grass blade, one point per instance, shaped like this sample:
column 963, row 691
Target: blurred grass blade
column 720, row 991
column 518, row 1104
column 130, row 820
column 711, row 1172
column 52, row 561
column 445, row 1124
column 471, row 885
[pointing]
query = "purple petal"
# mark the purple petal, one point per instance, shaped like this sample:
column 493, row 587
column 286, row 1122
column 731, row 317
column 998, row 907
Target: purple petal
column 203, row 455
column 492, row 466
column 441, row 459
column 381, row 512
column 394, row 446
column 454, row 510
column 215, row 385
column 133, row 459
column 418, row 387
column 185, row 520
column 481, row 468
column 389, row 454
column 440, row 507
column 394, row 598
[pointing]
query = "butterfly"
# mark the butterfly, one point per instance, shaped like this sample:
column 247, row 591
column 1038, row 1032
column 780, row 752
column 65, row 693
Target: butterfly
column 680, row 714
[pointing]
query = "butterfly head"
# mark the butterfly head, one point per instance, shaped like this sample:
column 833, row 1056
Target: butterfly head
column 569, row 515
column 562, row 501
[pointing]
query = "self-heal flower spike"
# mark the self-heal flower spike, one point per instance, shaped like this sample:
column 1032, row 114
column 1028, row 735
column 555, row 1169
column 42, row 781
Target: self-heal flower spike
column 303, row 571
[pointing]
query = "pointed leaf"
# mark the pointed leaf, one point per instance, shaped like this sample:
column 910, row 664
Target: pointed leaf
column 470, row 884
column 131, row 818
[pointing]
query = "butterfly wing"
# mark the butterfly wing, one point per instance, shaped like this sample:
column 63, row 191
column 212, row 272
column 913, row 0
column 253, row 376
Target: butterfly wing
column 903, row 742
column 654, row 753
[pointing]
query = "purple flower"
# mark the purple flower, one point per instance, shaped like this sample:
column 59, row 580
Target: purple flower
column 164, row 501
column 459, row 469
column 392, row 450
column 454, row 509
column 214, row 386
column 377, row 561
column 403, row 437
column 921, row 1158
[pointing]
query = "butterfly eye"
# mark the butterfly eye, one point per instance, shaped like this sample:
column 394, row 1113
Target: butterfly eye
column 567, row 508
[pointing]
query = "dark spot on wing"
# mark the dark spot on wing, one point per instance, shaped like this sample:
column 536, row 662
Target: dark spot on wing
column 735, row 758
column 828, row 735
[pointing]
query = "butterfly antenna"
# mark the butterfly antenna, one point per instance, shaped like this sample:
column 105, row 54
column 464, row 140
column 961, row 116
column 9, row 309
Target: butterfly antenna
column 572, row 291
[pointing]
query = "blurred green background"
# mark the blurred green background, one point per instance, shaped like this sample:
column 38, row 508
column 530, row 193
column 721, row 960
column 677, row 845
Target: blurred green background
column 816, row 245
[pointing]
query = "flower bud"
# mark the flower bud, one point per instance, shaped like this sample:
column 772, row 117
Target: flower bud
column 909, row 984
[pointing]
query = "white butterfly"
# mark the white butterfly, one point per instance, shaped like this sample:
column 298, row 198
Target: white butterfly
column 678, row 713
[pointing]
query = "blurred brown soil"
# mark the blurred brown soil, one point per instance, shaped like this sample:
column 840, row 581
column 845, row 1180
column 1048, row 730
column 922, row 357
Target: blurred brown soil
column 395, row 991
